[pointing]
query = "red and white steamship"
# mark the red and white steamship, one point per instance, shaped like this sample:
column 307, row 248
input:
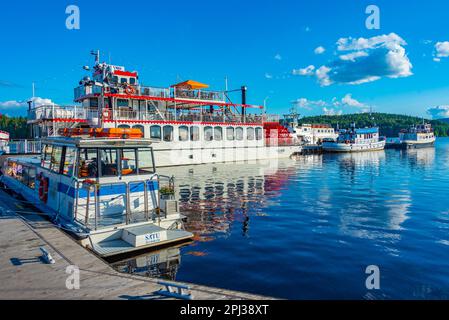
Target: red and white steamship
column 187, row 123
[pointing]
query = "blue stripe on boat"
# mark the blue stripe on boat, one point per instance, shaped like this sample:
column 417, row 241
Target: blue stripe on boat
column 109, row 190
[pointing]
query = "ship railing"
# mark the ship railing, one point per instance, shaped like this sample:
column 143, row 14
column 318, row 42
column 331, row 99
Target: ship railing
column 24, row 146
column 154, row 91
column 92, row 212
column 271, row 118
column 206, row 95
column 127, row 114
column 57, row 112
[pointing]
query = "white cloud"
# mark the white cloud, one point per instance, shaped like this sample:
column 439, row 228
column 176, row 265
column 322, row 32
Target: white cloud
column 308, row 71
column 278, row 57
column 268, row 76
column 439, row 112
column 319, row 50
column 308, row 104
column 20, row 104
column 391, row 41
column 441, row 51
column 348, row 100
column 332, row 112
column 365, row 60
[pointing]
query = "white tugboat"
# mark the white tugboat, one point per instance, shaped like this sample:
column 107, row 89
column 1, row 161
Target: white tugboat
column 355, row 140
column 191, row 125
column 100, row 185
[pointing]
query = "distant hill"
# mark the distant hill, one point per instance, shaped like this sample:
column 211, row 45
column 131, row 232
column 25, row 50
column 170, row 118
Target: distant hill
column 389, row 124
column 444, row 120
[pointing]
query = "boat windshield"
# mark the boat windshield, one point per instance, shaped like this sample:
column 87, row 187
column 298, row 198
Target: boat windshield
column 113, row 162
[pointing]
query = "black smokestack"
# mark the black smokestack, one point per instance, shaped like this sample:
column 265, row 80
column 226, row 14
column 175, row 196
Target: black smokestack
column 244, row 89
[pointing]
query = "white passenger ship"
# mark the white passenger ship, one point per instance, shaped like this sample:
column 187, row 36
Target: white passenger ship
column 100, row 185
column 315, row 134
column 187, row 123
column 355, row 140
column 420, row 136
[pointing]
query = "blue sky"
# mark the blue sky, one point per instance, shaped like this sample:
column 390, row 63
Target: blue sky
column 263, row 44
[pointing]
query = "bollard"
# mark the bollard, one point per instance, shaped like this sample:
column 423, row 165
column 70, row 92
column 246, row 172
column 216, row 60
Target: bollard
column 46, row 256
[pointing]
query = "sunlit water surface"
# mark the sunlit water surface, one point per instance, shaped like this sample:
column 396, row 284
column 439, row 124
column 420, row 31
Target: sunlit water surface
column 308, row 228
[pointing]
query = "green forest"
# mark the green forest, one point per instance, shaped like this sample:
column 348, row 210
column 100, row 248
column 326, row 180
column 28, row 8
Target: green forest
column 16, row 126
column 389, row 124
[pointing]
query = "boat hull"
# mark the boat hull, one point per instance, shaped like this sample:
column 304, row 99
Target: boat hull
column 335, row 147
column 194, row 156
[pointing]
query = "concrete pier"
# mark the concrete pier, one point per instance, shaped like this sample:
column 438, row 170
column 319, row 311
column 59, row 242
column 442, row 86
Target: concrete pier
column 24, row 275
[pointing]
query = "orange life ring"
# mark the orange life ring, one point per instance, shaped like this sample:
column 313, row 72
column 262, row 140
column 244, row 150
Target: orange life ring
column 43, row 188
column 129, row 90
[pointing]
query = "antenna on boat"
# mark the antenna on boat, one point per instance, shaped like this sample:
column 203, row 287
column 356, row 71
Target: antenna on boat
column 97, row 56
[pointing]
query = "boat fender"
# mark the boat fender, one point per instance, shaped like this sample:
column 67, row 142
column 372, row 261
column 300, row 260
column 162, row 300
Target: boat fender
column 43, row 188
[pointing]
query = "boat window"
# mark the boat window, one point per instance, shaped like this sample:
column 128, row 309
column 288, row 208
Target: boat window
column 141, row 128
column 122, row 103
column 109, row 163
column 250, row 133
column 56, row 157
column 168, row 133
column 69, row 161
column 155, row 132
column 123, row 80
column 128, row 161
column 259, row 134
column 88, row 164
column 15, row 170
column 132, row 80
column 46, row 156
column 230, row 133
column 239, row 133
column 183, row 133
column 194, row 133
column 29, row 177
column 123, row 126
column 218, row 133
column 145, row 161
column 115, row 79
column 208, row 134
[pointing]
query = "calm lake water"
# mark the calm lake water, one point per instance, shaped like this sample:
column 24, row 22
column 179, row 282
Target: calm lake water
column 308, row 228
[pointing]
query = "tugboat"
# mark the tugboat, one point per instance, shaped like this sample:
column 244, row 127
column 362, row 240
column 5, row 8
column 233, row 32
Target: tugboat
column 102, row 187
column 417, row 136
column 355, row 140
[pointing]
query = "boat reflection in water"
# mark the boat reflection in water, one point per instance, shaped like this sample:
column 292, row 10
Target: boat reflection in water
column 159, row 264
column 215, row 196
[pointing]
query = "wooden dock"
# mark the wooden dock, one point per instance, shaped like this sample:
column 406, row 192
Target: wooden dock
column 23, row 274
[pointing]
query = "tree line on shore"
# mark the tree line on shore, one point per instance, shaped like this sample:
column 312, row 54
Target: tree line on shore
column 389, row 124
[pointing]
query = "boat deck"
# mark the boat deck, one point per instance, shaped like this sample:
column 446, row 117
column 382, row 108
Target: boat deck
column 25, row 276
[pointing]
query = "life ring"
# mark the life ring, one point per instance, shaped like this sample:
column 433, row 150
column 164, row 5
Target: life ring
column 129, row 90
column 106, row 113
column 347, row 141
column 43, row 188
